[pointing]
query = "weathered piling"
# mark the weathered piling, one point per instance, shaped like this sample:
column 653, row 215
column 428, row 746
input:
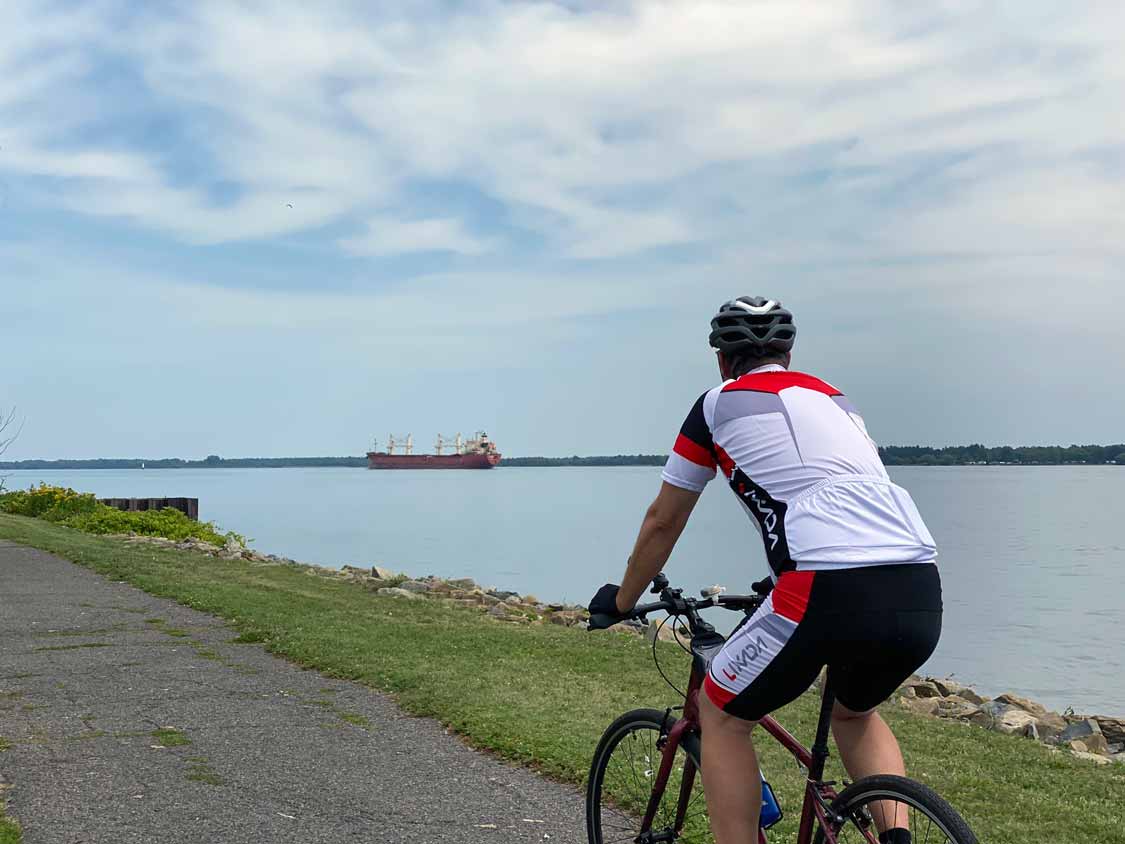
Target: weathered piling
column 188, row 506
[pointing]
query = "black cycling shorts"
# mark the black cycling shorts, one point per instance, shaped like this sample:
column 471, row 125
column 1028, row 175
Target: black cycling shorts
column 873, row 627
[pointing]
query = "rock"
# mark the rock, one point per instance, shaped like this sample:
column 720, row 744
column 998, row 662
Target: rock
column 502, row 594
column 381, row 573
column 354, row 571
column 1014, row 722
column 395, row 592
column 921, row 705
column 462, row 583
column 1031, row 731
column 567, row 618
column 1096, row 743
column 1078, row 746
column 372, row 583
column 908, row 692
column 949, row 687
column 1022, row 703
column 498, row 610
column 1002, row 717
column 414, row 586
column 923, row 688
column 989, row 712
column 954, row 707
column 1080, row 730
column 1095, row 758
column 1112, row 728
column 530, row 599
column 1050, row 725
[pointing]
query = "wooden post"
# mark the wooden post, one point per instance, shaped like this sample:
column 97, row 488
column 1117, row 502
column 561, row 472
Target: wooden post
column 188, row 506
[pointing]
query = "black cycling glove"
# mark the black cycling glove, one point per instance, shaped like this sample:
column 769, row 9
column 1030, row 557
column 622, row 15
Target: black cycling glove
column 605, row 601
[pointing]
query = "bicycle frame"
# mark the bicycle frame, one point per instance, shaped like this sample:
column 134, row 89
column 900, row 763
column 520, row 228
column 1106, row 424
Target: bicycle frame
column 818, row 794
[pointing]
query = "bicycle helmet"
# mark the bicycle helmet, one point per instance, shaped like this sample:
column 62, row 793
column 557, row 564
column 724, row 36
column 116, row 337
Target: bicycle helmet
column 751, row 325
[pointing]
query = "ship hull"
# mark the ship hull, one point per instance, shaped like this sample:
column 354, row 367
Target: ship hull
column 380, row 460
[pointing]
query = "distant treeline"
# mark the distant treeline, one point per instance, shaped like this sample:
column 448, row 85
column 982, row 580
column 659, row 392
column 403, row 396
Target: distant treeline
column 211, row 462
column 615, row 460
column 893, row 455
column 961, row 455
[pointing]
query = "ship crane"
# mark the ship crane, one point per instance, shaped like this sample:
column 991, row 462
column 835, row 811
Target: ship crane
column 408, row 446
column 443, row 442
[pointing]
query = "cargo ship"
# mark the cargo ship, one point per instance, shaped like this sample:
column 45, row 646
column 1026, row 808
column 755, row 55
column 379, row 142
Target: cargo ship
column 478, row 453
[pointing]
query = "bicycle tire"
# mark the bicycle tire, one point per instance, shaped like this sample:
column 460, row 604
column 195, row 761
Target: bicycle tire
column 853, row 800
column 599, row 803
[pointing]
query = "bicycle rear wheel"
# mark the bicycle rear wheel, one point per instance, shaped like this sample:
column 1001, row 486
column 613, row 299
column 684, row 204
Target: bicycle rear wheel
column 876, row 803
column 621, row 781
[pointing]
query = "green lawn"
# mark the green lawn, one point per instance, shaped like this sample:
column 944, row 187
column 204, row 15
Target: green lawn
column 543, row 695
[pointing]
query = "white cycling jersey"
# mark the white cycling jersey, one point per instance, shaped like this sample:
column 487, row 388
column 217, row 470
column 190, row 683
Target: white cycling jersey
column 798, row 456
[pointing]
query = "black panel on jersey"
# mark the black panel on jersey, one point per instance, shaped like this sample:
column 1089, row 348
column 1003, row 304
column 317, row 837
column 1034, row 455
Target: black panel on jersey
column 770, row 515
column 695, row 427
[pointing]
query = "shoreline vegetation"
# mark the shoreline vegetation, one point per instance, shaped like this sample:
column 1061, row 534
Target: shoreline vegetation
column 893, row 455
column 539, row 691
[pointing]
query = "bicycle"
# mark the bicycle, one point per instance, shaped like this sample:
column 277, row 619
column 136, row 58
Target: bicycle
column 668, row 751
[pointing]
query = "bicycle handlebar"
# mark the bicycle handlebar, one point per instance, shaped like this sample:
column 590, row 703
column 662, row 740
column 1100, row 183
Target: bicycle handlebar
column 674, row 604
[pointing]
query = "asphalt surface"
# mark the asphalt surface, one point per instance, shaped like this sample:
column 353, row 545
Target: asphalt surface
column 275, row 753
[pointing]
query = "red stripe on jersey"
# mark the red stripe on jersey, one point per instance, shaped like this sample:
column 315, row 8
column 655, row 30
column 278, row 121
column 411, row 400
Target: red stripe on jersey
column 775, row 382
column 725, row 462
column 694, row 452
column 719, row 696
column 791, row 595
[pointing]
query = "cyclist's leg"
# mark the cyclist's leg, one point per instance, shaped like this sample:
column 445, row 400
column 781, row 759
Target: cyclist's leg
column 734, row 796
column 868, row 747
column 876, row 651
column 767, row 663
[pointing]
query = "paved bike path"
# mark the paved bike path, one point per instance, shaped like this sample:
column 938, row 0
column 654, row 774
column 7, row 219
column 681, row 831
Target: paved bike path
column 277, row 753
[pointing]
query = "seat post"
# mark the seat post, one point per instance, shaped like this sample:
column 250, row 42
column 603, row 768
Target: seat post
column 820, row 745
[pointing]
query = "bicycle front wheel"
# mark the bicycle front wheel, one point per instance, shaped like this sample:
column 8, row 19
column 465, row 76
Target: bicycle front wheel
column 875, row 804
column 622, row 778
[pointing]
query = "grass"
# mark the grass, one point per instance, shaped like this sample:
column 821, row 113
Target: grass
column 355, row 718
column 543, row 695
column 170, row 737
column 200, row 771
column 9, row 830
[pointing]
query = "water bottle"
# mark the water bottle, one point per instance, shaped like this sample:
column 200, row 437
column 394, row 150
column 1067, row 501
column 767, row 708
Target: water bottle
column 771, row 811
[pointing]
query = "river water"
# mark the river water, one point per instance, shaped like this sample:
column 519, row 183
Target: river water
column 1032, row 558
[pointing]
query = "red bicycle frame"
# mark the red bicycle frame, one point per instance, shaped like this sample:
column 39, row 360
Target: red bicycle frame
column 818, row 794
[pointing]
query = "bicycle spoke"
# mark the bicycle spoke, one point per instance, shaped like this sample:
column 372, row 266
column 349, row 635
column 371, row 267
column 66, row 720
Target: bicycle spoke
column 629, row 775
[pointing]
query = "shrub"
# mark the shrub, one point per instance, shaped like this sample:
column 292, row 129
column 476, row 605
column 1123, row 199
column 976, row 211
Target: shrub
column 83, row 512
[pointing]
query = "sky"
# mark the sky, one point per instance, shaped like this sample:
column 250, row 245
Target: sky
column 288, row 228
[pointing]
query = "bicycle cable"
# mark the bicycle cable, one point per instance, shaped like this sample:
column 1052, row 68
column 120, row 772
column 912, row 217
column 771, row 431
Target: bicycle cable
column 656, row 659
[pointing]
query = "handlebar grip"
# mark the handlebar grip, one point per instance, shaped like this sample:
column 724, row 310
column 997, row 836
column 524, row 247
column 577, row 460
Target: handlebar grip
column 600, row 621
column 763, row 587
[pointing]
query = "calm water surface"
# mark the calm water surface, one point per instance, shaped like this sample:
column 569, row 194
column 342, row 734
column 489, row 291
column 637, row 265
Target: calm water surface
column 1032, row 558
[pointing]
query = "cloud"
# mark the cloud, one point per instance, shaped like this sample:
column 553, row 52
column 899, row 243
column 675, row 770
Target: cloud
column 605, row 131
column 388, row 235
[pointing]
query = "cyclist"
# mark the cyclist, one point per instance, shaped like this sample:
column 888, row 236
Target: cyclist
column 856, row 585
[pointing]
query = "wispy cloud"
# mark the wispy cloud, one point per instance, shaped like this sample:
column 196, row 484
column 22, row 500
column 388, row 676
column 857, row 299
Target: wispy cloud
column 387, row 235
column 606, row 131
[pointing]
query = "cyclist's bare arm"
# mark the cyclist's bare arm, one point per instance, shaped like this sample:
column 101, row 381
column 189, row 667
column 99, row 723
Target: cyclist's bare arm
column 663, row 524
